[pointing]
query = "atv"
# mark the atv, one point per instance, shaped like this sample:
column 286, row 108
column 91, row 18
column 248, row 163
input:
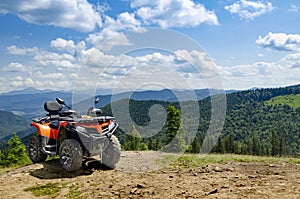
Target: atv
column 74, row 138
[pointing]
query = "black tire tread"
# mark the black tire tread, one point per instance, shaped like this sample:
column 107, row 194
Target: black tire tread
column 75, row 152
column 39, row 156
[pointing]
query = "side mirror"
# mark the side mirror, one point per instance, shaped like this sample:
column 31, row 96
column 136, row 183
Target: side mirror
column 97, row 100
column 62, row 102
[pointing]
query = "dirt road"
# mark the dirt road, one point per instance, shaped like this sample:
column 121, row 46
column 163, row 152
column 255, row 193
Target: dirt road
column 142, row 175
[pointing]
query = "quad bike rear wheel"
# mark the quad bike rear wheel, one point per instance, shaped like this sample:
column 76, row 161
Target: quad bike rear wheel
column 70, row 153
column 111, row 153
column 35, row 149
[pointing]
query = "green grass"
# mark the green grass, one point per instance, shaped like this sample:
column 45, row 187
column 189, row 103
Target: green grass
column 195, row 160
column 52, row 190
column 49, row 189
column 74, row 194
column 290, row 100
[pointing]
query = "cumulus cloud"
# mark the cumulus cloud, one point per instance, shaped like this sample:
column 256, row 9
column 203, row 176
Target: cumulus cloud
column 14, row 50
column 124, row 21
column 63, row 44
column 40, row 83
column 280, row 41
column 249, row 10
column 258, row 74
column 67, row 45
column 112, row 32
column 291, row 60
column 107, row 38
column 14, row 67
column 61, row 61
column 96, row 58
column 173, row 13
column 76, row 14
column 196, row 62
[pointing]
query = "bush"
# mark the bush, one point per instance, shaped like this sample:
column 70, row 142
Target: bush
column 15, row 154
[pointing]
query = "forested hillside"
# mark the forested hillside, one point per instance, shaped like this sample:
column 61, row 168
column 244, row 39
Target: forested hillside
column 10, row 123
column 253, row 125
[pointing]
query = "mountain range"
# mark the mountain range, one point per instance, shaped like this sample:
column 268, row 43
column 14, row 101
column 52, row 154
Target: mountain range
column 23, row 105
column 29, row 102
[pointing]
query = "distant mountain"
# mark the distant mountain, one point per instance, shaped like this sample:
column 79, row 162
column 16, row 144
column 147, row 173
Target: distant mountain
column 29, row 90
column 165, row 95
column 30, row 105
column 11, row 123
column 29, row 102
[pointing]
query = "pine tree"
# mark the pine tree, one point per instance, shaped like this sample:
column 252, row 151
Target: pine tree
column 134, row 141
column 220, row 148
column 229, row 143
column 255, row 145
column 175, row 134
column 275, row 143
column 282, row 145
column 15, row 154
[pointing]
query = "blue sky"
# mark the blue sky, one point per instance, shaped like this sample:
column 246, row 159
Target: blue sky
column 51, row 44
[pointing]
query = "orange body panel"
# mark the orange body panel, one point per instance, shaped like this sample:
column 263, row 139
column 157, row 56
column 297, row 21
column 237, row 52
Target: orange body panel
column 45, row 130
column 96, row 126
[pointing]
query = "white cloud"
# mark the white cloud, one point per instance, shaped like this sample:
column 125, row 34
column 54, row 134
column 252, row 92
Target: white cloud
column 96, row 58
column 280, row 41
column 128, row 72
column 67, row 45
column 21, row 51
column 14, row 67
column 124, row 21
column 40, row 75
column 61, row 61
column 246, row 9
column 196, row 62
column 46, row 81
column 291, row 60
column 76, row 14
column 260, row 55
column 62, row 43
column 173, row 13
column 294, row 8
column 107, row 38
column 258, row 74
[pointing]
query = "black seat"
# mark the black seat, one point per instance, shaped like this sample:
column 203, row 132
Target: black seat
column 52, row 107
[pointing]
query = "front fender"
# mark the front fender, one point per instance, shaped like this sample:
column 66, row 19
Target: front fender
column 44, row 130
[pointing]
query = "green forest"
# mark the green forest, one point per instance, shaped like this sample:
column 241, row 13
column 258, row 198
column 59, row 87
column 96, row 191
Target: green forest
column 262, row 122
column 258, row 122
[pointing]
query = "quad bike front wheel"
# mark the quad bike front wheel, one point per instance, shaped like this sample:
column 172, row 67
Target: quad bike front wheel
column 35, row 149
column 70, row 153
column 110, row 156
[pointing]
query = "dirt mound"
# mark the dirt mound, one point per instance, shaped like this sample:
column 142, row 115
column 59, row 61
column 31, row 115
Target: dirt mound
column 143, row 175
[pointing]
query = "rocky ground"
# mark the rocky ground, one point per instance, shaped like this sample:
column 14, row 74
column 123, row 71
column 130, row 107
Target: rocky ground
column 144, row 175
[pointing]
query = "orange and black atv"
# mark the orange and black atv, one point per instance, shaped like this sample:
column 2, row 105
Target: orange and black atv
column 73, row 137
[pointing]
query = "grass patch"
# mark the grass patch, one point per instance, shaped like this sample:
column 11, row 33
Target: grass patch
column 49, row 189
column 290, row 100
column 196, row 160
column 74, row 194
